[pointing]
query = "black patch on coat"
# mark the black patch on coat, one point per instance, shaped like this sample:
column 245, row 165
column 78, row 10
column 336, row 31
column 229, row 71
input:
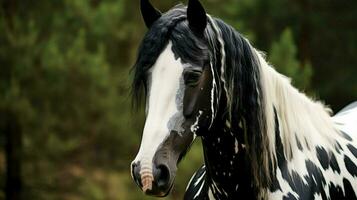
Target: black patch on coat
column 349, row 192
column 323, row 157
column 327, row 160
column 316, row 180
column 338, row 147
column 336, row 192
column 350, row 166
column 353, row 150
column 344, row 135
column 298, row 143
column 307, row 144
column 275, row 185
column 334, row 164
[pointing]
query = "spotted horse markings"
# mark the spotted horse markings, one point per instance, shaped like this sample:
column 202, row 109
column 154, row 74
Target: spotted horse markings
column 204, row 78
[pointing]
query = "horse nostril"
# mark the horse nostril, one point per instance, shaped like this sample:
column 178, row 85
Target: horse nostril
column 162, row 175
column 135, row 170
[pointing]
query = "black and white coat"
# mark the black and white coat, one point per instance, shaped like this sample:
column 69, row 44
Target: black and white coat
column 316, row 172
column 265, row 139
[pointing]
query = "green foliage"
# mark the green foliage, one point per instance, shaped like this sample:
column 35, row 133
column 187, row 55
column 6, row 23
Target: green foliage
column 65, row 73
column 283, row 55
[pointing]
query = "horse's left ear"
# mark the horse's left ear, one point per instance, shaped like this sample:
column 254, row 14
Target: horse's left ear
column 196, row 16
column 149, row 13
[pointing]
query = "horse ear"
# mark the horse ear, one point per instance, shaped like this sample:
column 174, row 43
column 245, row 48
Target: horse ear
column 196, row 16
column 149, row 13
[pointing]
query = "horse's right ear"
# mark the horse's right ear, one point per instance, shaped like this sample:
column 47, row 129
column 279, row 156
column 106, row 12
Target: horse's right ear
column 149, row 13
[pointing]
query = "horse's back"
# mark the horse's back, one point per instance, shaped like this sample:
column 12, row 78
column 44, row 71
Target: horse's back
column 349, row 107
column 346, row 120
column 346, row 123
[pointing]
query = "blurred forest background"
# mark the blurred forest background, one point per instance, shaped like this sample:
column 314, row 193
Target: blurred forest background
column 67, row 130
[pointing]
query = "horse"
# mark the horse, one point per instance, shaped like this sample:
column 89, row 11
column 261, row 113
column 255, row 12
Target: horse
column 262, row 138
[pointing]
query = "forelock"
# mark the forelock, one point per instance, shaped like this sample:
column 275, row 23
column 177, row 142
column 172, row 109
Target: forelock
column 172, row 26
column 151, row 47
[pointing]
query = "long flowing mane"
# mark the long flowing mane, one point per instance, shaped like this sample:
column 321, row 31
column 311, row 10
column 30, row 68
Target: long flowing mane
column 240, row 74
column 299, row 115
column 255, row 92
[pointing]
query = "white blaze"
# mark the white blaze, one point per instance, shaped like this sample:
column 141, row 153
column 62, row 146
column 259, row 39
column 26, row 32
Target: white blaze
column 164, row 88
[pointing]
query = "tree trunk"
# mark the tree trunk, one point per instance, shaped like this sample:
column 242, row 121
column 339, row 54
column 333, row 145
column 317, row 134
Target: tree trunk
column 13, row 150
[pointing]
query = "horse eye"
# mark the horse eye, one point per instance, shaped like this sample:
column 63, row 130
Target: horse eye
column 191, row 78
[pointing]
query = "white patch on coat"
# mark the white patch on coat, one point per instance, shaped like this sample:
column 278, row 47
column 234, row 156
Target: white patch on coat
column 213, row 89
column 223, row 55
column 194, row 126
column 346, row 122
column 236, row 149
column 199, row 190
column 210, row 194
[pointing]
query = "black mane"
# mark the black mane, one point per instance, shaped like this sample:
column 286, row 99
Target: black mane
column 242, row 74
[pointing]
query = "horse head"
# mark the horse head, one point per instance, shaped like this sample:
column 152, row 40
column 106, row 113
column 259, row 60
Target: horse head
column 174, row 67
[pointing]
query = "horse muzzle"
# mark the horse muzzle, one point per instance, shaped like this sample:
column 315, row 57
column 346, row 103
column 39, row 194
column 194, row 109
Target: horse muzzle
column 155, row 180
column 155, row 174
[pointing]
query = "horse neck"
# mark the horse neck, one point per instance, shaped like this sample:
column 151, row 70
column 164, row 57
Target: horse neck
column 301, row 119
column 228, row 171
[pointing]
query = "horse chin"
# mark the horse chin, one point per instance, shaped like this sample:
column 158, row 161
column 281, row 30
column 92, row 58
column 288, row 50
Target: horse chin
column 157, row 194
